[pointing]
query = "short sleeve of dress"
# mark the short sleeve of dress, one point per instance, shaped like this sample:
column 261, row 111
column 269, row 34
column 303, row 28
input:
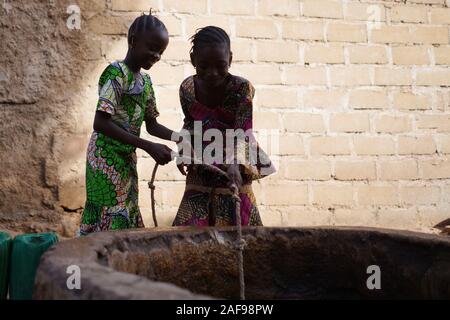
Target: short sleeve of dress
column 110, row 89
column 188, row 121
column 151, row 112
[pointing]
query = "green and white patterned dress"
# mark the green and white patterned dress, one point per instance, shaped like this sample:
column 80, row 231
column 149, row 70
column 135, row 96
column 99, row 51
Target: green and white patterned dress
column 111, row 176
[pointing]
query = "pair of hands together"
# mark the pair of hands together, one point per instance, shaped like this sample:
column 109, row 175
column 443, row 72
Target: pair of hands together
column 163, row 155
column 233, row 172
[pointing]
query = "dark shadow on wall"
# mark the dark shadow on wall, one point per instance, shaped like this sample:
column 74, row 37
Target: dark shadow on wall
column 47, row 71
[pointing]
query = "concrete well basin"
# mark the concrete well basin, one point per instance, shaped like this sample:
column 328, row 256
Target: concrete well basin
column 279, row 263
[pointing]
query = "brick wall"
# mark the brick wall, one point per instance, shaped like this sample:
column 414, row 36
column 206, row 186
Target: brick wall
column 359, row 91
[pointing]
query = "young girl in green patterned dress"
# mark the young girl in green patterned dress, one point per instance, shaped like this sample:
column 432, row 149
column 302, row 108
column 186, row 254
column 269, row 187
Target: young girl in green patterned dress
column 126, row 99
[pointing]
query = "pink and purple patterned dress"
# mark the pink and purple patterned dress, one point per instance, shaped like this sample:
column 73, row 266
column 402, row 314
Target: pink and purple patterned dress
column 205, row 201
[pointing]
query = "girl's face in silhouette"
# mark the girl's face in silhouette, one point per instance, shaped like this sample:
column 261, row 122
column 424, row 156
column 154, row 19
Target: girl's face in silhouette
column 212, row 64
column 149, row 46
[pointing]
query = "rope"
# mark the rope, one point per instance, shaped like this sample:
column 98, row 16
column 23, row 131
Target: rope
column 151, row 185
column 239, row 244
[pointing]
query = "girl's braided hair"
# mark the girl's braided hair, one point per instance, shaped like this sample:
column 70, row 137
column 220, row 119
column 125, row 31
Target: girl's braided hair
column 143, row 23
column 208, row 36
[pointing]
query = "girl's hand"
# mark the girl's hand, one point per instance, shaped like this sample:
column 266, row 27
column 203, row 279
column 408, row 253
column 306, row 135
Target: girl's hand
column 160, row 152
column 235, row 175
column 184, row 149
column 181, row 168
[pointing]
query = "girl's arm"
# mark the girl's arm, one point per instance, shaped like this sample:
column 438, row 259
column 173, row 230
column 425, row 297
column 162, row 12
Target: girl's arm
column 103, row 124
column 251, row 160
column 158, row 130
